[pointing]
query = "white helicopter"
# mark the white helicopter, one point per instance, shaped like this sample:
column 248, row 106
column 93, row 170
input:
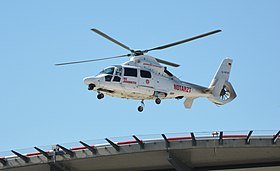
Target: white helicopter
column 144, row 78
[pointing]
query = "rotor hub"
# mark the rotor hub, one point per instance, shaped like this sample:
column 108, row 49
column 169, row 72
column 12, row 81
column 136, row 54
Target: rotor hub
column 138, row 52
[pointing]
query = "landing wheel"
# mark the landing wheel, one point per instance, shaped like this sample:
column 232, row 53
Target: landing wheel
column 91, row 86
column 100, row 96
column 140, row 108
column 158, row 101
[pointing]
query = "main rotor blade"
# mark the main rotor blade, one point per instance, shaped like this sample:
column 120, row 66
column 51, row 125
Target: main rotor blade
column 167, row 63
column 92, row 60
column 111, row 39
column 183, row 41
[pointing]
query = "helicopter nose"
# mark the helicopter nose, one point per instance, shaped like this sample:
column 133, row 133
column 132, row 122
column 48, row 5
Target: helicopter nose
column 90, row 80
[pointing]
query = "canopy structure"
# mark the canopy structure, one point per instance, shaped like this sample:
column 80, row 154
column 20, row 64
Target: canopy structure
column 182, row 152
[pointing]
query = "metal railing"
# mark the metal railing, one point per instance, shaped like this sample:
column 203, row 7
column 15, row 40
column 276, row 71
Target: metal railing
column 244, row 134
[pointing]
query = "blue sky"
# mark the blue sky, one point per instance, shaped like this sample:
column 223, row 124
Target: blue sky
column 41, row 104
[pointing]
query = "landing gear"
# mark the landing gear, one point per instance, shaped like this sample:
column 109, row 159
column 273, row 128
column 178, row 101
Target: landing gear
column 91, row 86
column 158, row 101
column 100, row 96
column 141, row 108
column 158, row 95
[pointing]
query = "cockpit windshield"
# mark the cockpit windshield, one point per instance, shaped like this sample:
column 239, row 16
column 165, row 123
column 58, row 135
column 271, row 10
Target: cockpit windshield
column 109, row 70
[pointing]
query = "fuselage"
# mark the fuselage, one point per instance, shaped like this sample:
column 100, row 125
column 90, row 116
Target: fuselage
column 142, row 78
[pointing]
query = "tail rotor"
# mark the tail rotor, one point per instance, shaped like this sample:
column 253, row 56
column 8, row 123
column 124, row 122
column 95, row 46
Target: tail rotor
column 225, row 94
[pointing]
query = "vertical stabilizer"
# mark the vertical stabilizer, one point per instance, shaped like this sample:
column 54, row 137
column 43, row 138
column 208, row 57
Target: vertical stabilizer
column 221, row 76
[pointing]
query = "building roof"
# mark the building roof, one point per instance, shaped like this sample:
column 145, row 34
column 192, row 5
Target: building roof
column 189, row 151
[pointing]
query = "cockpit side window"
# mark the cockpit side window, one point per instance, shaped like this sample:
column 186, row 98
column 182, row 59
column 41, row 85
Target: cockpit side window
column 119, row 71
column 132, row 72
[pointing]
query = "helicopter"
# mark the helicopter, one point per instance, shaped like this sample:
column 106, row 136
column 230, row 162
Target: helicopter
column 144, row 78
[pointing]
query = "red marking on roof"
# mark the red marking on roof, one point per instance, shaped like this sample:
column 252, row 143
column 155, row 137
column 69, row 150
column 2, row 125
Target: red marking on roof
column 33, row 154
column 127, row 142
column 80, row 148
column 179, row 138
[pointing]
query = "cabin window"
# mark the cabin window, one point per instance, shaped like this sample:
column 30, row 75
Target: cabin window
column 117, row 79
column 132, row 72
column 145, row 74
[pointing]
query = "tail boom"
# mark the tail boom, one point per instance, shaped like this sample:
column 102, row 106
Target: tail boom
column 220, row 90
